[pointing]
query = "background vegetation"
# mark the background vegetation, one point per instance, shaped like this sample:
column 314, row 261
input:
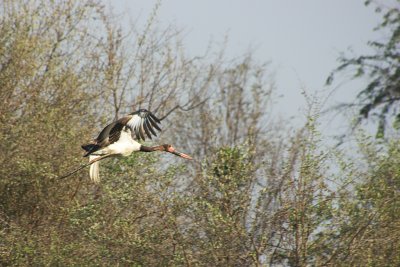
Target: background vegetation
column 258, row 193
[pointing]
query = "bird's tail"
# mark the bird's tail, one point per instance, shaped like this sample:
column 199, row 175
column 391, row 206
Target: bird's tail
column 94, row 169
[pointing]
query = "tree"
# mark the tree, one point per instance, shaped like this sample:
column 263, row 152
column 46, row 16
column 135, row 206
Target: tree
column 367, row 220
column 258, row 192
column 380, row 98
column 66, row 68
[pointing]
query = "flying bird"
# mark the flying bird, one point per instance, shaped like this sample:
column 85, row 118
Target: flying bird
column 121, row 138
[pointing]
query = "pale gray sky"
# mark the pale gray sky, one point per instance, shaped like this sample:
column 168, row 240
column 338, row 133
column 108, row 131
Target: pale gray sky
column 302, row 39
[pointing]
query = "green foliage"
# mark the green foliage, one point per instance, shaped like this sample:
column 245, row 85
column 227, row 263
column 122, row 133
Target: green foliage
column 254, row 195
column 221, row 207
column 371, row 228
column 381, row 96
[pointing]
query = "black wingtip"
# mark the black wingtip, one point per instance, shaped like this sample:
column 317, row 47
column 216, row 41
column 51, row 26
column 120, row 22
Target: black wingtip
column 148, row 124
column 146, row 129
column 154, row 123
column 141, row 132
column 137, row 134
column 154, row 117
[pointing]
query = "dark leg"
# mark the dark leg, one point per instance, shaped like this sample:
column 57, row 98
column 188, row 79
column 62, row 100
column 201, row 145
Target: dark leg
column 85, row 165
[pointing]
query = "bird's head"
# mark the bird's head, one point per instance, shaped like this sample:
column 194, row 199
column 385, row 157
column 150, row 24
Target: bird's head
column 171, row 149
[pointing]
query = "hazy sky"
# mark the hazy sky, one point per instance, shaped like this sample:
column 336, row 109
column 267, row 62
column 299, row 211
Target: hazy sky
column 302, row 39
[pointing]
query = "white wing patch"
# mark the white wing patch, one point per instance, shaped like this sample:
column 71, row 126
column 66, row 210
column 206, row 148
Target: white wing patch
column 135, row 122
column 143, row 123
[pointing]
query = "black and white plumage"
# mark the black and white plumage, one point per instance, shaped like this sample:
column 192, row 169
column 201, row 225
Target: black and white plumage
column 121, row 138
column 142, row 122
column 138, row 124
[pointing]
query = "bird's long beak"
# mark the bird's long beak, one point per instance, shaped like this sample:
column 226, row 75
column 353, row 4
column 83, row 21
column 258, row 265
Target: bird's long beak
column 182, row 155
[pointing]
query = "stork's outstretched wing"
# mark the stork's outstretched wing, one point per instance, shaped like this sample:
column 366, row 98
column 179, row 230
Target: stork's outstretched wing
column 143, row 122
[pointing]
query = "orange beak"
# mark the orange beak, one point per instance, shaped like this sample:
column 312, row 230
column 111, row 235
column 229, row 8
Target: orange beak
column 182, row 155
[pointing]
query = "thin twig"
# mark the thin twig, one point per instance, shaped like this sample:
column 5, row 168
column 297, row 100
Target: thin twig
column 182, row 108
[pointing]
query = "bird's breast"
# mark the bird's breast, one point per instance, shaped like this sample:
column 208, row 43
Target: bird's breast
column 125, row 145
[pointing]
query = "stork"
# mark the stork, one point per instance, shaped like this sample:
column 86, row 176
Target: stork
column 121, row 138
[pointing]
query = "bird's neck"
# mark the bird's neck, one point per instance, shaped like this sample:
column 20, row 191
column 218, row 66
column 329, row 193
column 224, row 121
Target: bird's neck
column 151, row 148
